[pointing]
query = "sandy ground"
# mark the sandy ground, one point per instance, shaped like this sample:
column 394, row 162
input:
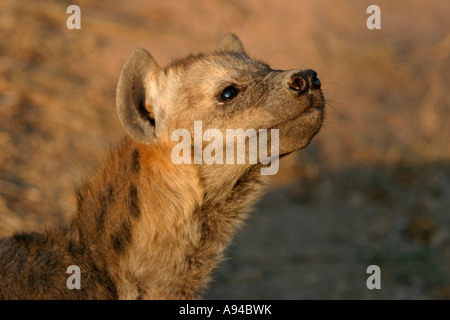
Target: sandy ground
column 294, row 248
column 372, row 188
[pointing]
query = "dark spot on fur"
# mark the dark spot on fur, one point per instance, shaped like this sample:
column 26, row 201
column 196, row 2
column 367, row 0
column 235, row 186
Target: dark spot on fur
column 136, row 165
column 64, row 230
column 135, row 209
column 27, row 239
column 193, row 262
column 206, row 233
column 121, row 238
column 102, row 215
column 80, row 199
column 75, row 249
column 140, row 293
column 105, row 201
column 200, row 258
column 100, row 277
column 76, row 244
column 72, row 247
column 110, row 193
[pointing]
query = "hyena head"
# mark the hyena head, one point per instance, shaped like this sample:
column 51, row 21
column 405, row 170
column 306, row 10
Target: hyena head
column 224, row 90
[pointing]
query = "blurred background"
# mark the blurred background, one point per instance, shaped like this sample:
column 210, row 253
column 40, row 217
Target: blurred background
column 372, row 188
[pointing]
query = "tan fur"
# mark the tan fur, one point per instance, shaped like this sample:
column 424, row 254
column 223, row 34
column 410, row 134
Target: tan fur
column 147, row 228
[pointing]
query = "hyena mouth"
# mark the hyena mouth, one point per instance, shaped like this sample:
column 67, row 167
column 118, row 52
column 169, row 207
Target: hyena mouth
column 317, row 101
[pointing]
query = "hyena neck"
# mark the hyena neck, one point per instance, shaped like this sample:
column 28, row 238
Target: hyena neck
column 155, row 226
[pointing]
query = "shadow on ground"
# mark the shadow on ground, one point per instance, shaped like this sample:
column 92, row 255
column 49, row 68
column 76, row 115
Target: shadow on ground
column 315, row 239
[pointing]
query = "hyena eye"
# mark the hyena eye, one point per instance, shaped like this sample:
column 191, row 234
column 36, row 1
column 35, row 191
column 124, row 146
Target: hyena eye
column 229, row 93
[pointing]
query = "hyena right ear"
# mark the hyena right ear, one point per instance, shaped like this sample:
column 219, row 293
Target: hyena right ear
column 231, row 43
column 133, row 98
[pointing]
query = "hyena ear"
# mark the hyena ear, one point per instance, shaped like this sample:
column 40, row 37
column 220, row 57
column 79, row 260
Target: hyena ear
column 231, row 43
column 133, row 99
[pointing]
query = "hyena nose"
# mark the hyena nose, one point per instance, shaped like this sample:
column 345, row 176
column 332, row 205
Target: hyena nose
column 300, row 81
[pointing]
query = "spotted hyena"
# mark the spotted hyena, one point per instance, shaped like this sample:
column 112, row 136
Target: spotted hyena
column 149, row 228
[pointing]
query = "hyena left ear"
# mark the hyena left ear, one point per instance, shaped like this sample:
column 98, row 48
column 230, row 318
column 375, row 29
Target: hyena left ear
column 231, row 43
column 135, row 89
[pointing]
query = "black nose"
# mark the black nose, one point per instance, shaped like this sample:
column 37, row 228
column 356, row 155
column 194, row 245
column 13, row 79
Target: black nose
column 314, row 82
column 300, row 81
